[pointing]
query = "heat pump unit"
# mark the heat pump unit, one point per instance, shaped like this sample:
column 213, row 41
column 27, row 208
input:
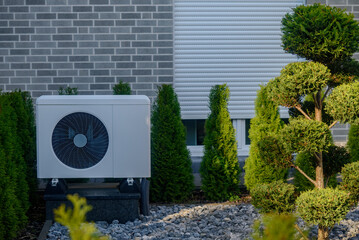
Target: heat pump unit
column 93, row 136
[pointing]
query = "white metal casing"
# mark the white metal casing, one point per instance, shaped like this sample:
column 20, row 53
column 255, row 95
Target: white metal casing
column 127, row 120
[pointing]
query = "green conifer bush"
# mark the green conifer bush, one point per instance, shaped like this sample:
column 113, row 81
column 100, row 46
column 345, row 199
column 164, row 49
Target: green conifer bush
column 353, row 142
column 172, row 178
column 219, row 168
column 122, row 88
column 266, row 122
column 350, row 183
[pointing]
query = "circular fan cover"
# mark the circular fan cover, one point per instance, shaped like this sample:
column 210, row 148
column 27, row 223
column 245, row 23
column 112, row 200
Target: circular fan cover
column 80, row 140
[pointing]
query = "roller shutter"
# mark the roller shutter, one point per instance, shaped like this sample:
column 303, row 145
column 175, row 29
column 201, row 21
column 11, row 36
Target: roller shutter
column 227, row 41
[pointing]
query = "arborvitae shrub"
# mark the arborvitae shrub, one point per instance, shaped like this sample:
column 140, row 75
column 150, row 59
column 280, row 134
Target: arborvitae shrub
column 266, row 122
column 353, row 142
column 350, row 173
column 172, row 178
column 219, row 168
column 122, row 88
column 277, row 197
column 323, row 207
column 12, row 213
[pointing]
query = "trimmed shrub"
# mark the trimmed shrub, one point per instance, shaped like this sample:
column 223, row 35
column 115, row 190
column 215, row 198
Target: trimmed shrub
column 334, row 160
column 353, row 142
column 75, row 220
column 350, row 173
column 219, row 168
column 277, row 197
column 335, row 33
column 323, row 207
column 172, row 178
column 277, row 226
column 266, row 122
column 67, row 91
column 122, row 88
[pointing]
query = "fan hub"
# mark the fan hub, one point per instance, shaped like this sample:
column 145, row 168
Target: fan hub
column 80, row 140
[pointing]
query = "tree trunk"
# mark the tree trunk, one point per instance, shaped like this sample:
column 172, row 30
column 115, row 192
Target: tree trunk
column 319, row 174
column 323, row 233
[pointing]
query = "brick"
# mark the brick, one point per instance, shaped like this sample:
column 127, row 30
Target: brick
column 99, row 72
column 146, row 37
column 141, row 29
column 108, row 92
column 67, row 16
column 125, row 23
column 62, row 65
column 59, row 37
column 165, row 51
column 125, row 79
column 36, row 59
column 3, row 23
column 165, row 8
column 9, row 38
column 126, row 51
column 162, row 29
column 103, row 65
column 14, row 59
column 99, row 1
column 88, row 16
column 88, row 44
column 46, row 31
column 162, row 72
column 78, row 2
column 146, row 79
column 4, row 66
column 83, row 23
column 355, row 2
column 121, row 72
column 104, row 79
column 62, row 9
column 68, row 73
column 67, row 44
column 40, row 9
column 40, row 38
column 46, row 16
column 56, row 87
column 84, row 65
column 38, row 87
column 146, row 8
column 131, row 16
column 162, row 2
column 84, row 80
column 40, row 51
column 6, row 45
column 120, row 30
column 100, row 51
column 83, row 51
column 146, row 51
column 4, row 81
column 335, row 2
column 162, row 16
column 83, row 37
column 104, row 58
column 125, row 65
column 19, row 51
column 26, row 73
column 46, row 73
column 12, row 87
column 141, row 58
column 82, row 8
column 41, row 66
column 35, row 2
column 125, row 8
column 99, row 86
column 8, row 73
column 104, row 37
column 163, row 23
column 67, row 30
column 165, row 36
column 146, row 23
column 78, row 58
column 18, row 23
column 162, row 43
column 146, row 15
column 104, row 23
column 142, row 72
column 7, row 16
column 165, row 79
column 138, row 2
column 20, row 65
column 147, row 65
column 103, row 9
column 141, row 44
column 24, row 38
column 41, row 80
column 56, row 2
column 109, row 44
column 18, row 9
column 62, row 23
column 163, row 58
column 120, row 58
column 57, row 58
column 136, row 86
column 36, row 94
column 20, row 80
column 13, row 2
column 25, row 16
column 124, row 2
column 165, row 65
column 99, row 30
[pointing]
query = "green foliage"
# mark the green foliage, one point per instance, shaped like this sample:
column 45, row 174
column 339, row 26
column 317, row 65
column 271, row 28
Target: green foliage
column 67, row 91
column 277, row 197
column 334, row 160
column 303, row 135
column 324, row 207
column 274, row 153
column 266, row 122
column 277, row 226
column 75, row 220
column 353, row 142
column 122, row 88
column 350, row 173
column 320, row 33
column 172, row 179
column 343, row 103
column 296, row 80
column 219, row 168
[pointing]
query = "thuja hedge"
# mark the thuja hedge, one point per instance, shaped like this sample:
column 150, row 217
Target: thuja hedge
column 17, row 161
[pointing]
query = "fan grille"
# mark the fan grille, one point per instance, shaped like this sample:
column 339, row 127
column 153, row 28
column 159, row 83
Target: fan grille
column 80, row 140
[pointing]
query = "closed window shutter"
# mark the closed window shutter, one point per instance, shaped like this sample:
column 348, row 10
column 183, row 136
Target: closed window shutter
column 227, row 41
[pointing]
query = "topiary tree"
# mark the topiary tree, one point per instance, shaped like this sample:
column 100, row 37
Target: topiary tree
column 266, row 122
column 327, row 37
column 122, row 88
column 353, row 142
column 350, row 173
column 219, row 168
column 172, row 178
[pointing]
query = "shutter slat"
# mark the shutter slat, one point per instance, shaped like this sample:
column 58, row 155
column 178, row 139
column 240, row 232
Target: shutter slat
column 228, row 41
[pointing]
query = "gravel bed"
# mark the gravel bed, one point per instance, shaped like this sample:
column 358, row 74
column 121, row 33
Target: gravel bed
column 209, row 221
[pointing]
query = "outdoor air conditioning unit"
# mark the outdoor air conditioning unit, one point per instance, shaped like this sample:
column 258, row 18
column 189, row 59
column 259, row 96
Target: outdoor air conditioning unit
column 93, row 136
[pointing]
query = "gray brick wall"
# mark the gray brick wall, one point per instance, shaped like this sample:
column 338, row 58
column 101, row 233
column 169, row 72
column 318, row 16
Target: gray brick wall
column 88, row 44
